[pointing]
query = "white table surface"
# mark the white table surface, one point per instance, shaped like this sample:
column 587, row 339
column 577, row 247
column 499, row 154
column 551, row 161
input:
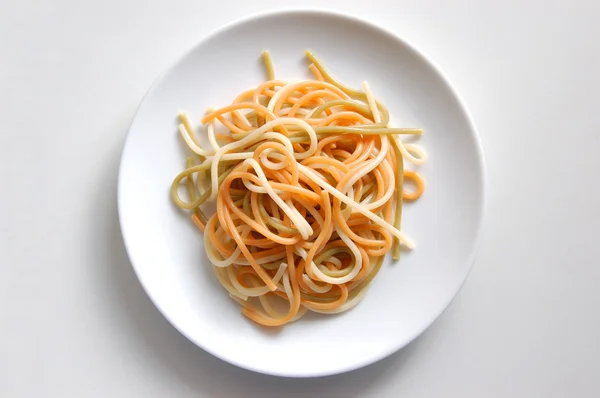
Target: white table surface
column 74, row 321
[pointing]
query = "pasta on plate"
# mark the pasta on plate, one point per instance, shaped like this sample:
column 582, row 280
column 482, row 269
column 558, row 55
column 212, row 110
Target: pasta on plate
column 308, row 179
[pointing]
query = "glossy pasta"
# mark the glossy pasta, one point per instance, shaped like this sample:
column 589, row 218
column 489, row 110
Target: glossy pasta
column 307, row 177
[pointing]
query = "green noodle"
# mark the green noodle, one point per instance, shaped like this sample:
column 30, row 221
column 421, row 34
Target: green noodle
column 269, row 65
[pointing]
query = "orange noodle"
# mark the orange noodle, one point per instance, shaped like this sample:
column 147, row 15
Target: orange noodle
column 308, row 180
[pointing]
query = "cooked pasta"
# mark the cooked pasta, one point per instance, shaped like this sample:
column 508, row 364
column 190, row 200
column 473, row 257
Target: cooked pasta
column 308, row 179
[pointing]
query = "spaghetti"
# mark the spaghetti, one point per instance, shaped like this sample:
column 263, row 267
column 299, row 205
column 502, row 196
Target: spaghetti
column 308, row 184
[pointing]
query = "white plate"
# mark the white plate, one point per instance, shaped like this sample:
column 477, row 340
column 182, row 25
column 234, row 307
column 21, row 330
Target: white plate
column 406, row 297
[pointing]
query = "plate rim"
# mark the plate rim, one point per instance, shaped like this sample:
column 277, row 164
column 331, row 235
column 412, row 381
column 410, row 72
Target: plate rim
column 365, row 22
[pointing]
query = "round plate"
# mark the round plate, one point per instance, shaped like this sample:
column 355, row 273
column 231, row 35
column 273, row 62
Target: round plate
column 167, row 251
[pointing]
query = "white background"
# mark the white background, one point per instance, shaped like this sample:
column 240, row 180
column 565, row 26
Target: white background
column 74, row 320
